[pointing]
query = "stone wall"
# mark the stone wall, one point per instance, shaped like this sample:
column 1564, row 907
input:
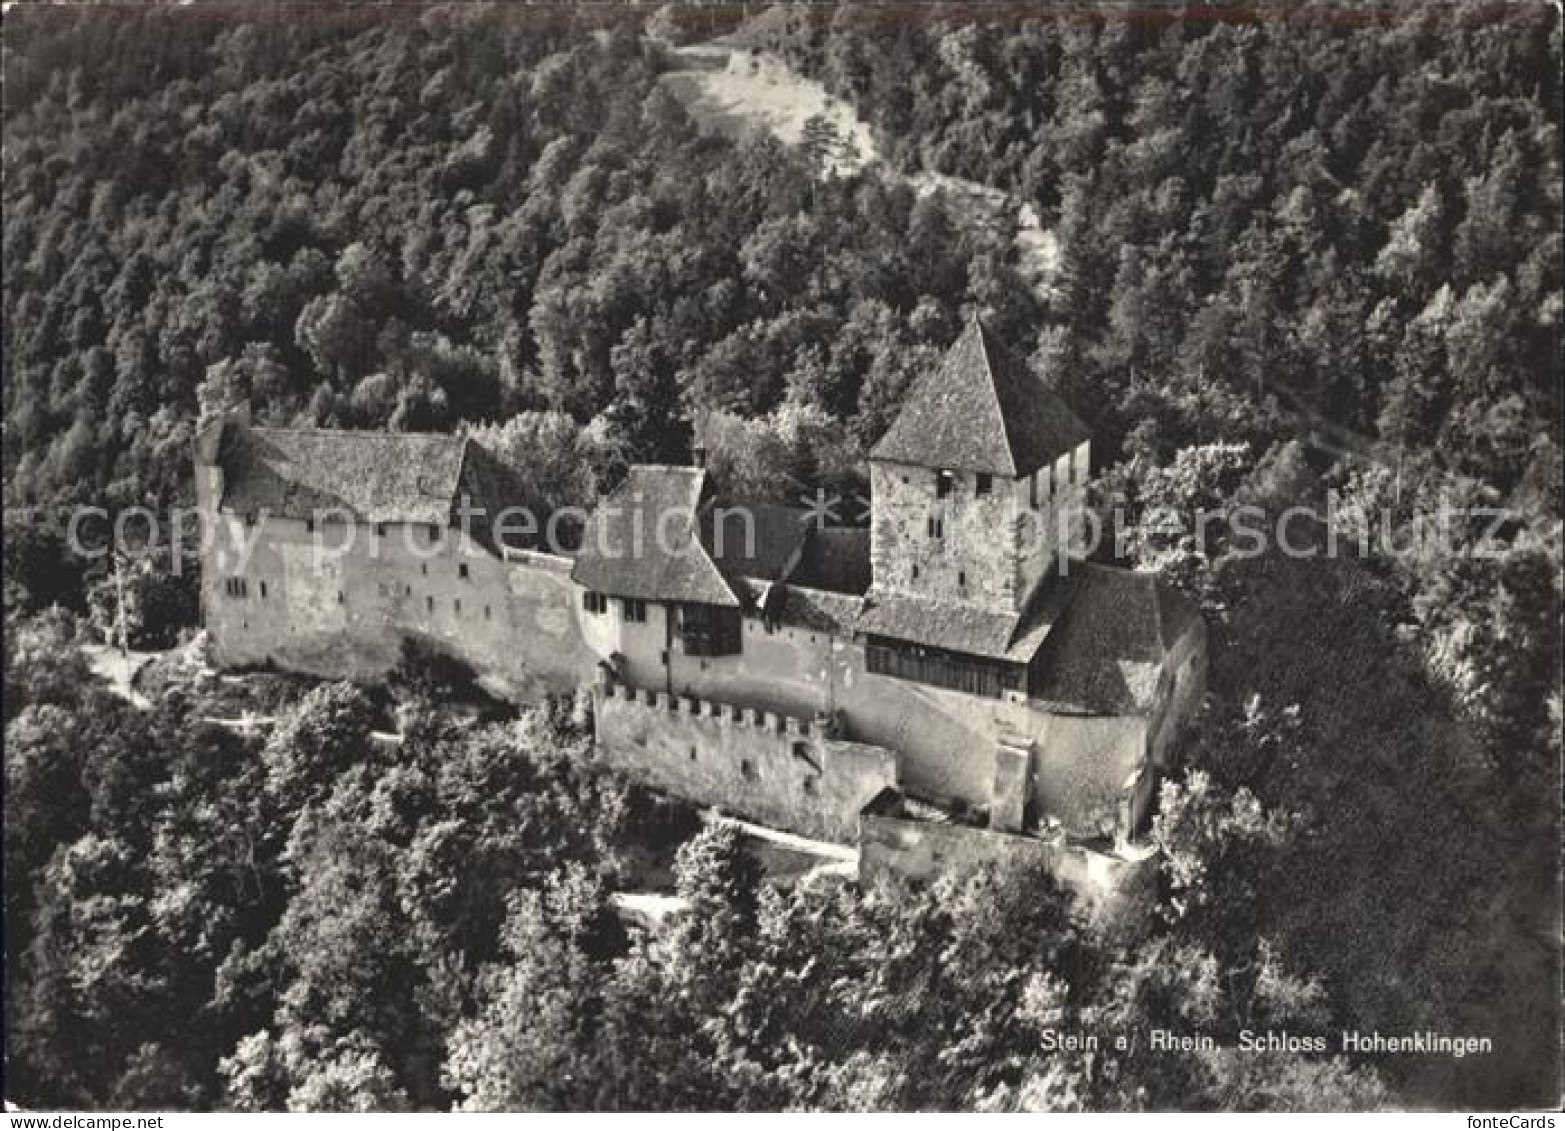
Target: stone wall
column 975, row 557
column 993, row 549
column 776, row 769
column 1113, row 891
column 339, row 604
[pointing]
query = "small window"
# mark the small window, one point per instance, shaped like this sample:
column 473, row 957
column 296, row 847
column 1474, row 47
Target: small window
column 456, row 606
column 985, row 483
column 635, row 610
column 486, row 612
column 342, row 598
column 944, row 481
column 263, row 590
column 309, row 525
column 380, row 530
column 961, row 578
column 424, row 568
column 692, row 753
column 747, row 769
column 915, row 572
column 809, row 787
column 937, row 527
column 461, row 571
column 235, row 587
column 595, row 603
column 407, row 591
column 434, row 534
column 429, row 604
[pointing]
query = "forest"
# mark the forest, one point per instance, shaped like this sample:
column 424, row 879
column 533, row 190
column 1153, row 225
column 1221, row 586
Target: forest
column 1309, row 256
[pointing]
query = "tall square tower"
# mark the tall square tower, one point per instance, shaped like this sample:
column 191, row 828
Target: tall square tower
column 979, row 483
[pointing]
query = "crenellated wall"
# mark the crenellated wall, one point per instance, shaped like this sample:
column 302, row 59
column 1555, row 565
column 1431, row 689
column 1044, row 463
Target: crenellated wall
column 777, row 769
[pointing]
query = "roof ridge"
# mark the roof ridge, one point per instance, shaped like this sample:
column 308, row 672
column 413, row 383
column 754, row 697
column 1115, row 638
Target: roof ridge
column 994, row 391
column 371, row 433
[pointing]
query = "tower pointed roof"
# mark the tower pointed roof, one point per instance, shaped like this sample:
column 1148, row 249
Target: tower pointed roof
column 981, row 409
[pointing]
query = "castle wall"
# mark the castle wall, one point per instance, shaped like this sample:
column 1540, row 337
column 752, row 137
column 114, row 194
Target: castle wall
column 342, row 613
column 339, row 605
column 775, row 769
column 787, row 670
column 947, row 739
column 1112, row 892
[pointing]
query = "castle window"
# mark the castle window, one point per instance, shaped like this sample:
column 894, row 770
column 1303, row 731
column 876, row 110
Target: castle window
column 309, row 525
column 263, row 590
column 747, row 769
column 342, row 598
column 424, row 568
column 985, row 483
column 707, row 630
column 915, row 571
column 971, row 674
column 461, row 571
column 380, row 530
column 486, row 612
column 634, row 610
column 937, row 527
column 809, row 786
column 434, row 534
column 429, row 604
column 961, row 578
column 235, row 587
column 944, row 481
column 595, row 603
column 456, row 606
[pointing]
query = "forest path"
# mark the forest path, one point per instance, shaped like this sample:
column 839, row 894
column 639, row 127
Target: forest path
column 731, row 91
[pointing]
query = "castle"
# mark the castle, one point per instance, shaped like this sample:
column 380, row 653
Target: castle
column 951, row 684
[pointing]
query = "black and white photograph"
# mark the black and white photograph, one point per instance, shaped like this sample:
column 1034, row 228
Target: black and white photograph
column 809, row 557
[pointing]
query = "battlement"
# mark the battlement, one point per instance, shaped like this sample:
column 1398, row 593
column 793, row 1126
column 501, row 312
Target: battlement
column 724, row 714
column 775, row 768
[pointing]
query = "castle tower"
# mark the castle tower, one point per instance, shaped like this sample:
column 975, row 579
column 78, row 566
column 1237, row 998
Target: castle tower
column 977, row 482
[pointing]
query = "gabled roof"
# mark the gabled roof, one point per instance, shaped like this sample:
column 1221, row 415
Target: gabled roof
column 818, row 610
column 960, row 626
column 1108, row 652
column 836, row 559
column 762, row 541
column 643, row 541
column 981, row 409
column 374, row 476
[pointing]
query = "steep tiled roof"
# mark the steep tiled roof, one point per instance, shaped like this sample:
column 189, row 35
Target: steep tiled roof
column 755, row 540
column 375, row 476
column 623, row 553
column 491, row 485
column 836, row 558
column 957, row 626
column 981, row 409
column 1108, row 651
column 818, row 610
